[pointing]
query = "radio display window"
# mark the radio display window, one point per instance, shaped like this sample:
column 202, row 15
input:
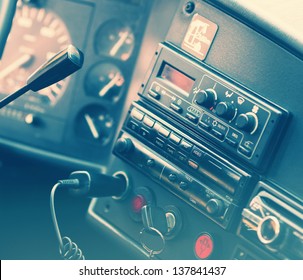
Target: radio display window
column 176, row 77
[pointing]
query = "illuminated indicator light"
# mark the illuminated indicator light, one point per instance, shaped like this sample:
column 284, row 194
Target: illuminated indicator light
column 204, row 246
column 137, row 203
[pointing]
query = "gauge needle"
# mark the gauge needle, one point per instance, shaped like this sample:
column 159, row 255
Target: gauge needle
column 109, row 85
column 92, row 126
column 119, row 43
column 15, row 65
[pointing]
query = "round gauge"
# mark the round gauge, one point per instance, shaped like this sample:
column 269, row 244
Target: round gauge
column 94, row 124
column 36, row 36
column 105, row 80
column 115, row 39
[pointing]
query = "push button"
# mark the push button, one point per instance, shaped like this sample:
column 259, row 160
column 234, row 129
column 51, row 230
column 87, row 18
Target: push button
column 143, row 132
column 192, row 118
column 193, row 164
column 244, row 151
column 183, row 185
column 204, row 246
column 171, row 150
column 154, row 95
column 176, row 108
column 186, row 146
column 160, row 143
column 181, row 157
column 133, row 126
column 135, row 113
column 148, row 121
column 163, row 131
column 174, row 138
column 197, row 153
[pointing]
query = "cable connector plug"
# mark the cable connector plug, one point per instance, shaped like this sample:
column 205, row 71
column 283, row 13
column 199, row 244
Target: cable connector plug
column 78, row 183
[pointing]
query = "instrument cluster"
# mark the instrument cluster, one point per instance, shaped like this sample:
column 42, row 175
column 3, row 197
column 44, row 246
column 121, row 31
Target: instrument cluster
column 77, row 116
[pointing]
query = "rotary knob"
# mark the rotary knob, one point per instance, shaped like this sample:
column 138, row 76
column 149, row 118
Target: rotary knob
column 247, row 122
column 206, row 98
column 226, row 110
column 215, row 207
column 124, row 145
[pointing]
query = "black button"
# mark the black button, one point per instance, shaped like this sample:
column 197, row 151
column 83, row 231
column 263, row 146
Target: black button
column 204, row 126
column 245, row 151
column 154, row 95
column 150, row 163
column 183, row 185
column 160, row 143
column 234, row 135
column 220, row 127
column 217, row 134
column 133, row 126
column 186, row 146
column 176, row 108
column 172, row 177
column 231, row 142
column 192, row 118
column 181, row 157
column 145, row 133
column 174, row 138
column 196, row 152
column 171, row 150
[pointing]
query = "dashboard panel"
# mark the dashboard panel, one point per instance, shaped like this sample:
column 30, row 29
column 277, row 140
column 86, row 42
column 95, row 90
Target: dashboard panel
column 194, row 105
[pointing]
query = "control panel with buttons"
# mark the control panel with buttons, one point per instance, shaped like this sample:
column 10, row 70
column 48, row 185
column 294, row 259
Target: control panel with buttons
column 182, row 165
column 238, row 121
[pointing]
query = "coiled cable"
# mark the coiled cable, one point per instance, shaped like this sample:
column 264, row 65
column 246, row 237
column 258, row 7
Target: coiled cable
column 67, row 248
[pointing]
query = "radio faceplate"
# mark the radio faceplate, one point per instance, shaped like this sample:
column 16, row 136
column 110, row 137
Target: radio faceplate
column 234, row 119
column 182, row 165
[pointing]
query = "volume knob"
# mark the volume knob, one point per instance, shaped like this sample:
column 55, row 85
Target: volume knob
column 225, row 110
column 215, row 207
column 247, row 122
column 124, row 145
column 206, row 98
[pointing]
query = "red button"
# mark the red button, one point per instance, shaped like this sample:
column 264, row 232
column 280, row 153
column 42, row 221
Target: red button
column 204, row 246
column 137, row 203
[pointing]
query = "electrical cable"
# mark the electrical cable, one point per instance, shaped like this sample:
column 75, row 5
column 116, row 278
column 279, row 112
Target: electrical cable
column 68, row 249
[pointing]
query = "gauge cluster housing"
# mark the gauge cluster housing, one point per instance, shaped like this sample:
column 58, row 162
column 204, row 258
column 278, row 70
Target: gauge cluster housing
column 78, row 116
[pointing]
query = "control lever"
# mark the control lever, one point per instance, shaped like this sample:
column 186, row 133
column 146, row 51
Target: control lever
column 63, row 64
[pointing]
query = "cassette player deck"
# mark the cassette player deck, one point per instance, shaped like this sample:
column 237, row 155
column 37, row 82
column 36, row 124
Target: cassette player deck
column 236, row 120
column 185, row 167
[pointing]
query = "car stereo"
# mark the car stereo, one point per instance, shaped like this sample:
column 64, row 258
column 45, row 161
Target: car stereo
column 239, row 122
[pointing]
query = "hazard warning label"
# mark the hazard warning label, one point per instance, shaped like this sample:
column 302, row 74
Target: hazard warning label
column 199, row 36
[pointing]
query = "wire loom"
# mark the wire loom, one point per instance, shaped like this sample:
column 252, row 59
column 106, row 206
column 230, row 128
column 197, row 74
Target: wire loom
column 68, row 249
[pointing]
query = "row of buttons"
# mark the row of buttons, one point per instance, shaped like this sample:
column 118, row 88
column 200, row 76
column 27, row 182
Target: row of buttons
column 209, row 124
column 227, row 134
column 156, row 91
column 188, row 154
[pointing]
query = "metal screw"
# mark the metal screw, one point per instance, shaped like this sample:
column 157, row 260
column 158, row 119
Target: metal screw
column 189, row 7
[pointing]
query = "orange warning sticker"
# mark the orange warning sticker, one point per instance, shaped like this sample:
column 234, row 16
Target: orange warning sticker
column 199, row 36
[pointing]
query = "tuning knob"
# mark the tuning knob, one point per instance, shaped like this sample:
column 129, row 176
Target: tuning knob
column 215, row 207
column 247, row 122
column 225, row 110
column 124, row 145
column 206, row 98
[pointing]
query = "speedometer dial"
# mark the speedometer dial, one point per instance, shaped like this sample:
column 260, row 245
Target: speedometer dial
column 36, row 35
